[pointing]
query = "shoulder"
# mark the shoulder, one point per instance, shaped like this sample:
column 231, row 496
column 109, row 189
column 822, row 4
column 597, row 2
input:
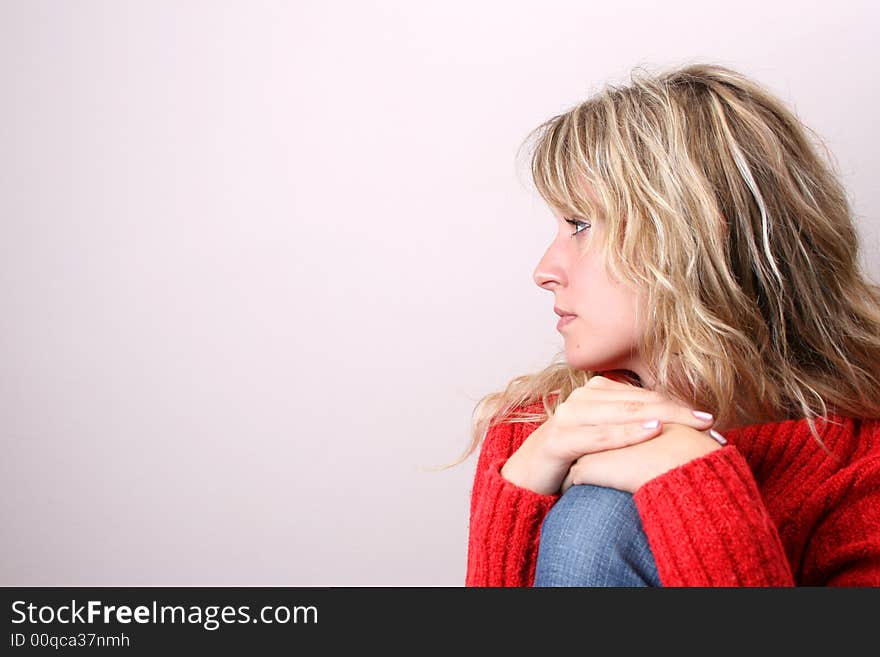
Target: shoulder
column 503, row 436
column 856, row 441
column 869, row 437
column 858, row 470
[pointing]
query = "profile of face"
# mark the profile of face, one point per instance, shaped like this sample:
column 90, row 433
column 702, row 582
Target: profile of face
column 608, row 316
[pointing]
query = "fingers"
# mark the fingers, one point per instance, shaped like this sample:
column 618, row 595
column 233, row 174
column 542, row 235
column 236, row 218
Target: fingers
column 615, row 380
column 572, row 445
column 717, row 437
column 581, row 412
column 603, row 401
column 601, row 386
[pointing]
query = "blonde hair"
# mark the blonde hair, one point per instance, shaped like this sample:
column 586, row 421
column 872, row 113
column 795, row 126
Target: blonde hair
column 718, row 206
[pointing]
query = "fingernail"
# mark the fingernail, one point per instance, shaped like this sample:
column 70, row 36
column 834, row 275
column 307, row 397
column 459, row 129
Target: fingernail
column 651, row 424
column 703, row 415
column 717, row 436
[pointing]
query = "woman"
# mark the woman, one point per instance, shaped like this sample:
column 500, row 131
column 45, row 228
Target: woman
column 706, row 260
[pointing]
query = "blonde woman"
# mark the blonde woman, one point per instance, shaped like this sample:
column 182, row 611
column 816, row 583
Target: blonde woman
column 714, row 421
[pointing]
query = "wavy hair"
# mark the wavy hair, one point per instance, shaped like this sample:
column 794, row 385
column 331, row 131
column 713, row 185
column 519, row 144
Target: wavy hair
column 719, row 206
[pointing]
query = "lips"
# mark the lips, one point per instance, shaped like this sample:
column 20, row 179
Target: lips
column 562, row 312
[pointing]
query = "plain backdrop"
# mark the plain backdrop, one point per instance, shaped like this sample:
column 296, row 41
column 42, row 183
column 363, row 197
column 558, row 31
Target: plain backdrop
column 260, row 260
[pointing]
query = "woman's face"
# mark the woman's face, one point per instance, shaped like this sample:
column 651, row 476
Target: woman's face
column 608, row 316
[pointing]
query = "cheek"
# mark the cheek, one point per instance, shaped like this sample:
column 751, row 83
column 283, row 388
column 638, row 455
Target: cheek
column 588, row 275
column 612, row 310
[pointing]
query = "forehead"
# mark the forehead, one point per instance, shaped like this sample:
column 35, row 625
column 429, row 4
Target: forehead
column 564, row 212
column 584, row 206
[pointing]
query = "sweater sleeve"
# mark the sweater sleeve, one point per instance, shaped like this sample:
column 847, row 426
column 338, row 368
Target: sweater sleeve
column 844, row 549
column 707, row 525
column 505, row 519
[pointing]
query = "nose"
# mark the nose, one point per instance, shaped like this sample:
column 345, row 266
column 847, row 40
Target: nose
column 549, row 273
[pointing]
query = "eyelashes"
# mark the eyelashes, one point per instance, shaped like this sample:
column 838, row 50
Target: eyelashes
column 578, row 224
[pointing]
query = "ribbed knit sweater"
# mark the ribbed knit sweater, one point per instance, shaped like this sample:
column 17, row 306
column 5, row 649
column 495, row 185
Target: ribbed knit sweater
column 770, row 508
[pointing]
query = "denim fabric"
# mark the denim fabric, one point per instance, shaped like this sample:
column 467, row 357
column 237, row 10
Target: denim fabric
column 593, row 536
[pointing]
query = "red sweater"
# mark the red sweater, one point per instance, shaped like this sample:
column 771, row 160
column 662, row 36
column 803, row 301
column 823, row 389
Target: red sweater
column 771, row 508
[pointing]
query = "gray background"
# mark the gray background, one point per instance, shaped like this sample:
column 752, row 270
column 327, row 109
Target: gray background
column 260, row 259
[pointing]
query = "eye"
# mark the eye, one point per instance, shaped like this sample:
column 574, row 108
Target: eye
column 577, row 224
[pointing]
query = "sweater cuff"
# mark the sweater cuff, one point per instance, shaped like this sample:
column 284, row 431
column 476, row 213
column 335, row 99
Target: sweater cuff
column 506, row 531
column 707, row 525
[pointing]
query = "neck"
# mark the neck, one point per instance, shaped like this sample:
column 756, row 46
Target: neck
column 624, row 376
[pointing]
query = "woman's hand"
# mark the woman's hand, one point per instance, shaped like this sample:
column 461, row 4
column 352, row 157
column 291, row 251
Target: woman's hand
column 601, row 417
column 632, row 466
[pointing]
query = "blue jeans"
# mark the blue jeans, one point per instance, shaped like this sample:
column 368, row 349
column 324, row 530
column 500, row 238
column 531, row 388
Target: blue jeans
column 593, row 536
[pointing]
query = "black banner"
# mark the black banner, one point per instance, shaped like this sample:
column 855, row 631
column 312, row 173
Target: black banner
column 156, row 620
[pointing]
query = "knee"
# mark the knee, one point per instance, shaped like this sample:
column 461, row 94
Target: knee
column 586, row 532
column 588, row 512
